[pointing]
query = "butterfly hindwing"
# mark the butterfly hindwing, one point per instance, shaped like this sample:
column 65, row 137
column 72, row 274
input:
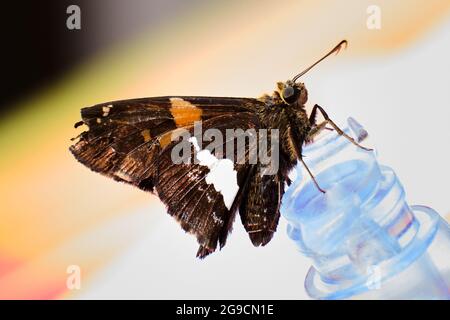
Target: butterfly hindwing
column 260, row 209
column 195, row 202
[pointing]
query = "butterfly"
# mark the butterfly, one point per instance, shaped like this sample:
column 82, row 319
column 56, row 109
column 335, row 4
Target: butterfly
column 133, row 141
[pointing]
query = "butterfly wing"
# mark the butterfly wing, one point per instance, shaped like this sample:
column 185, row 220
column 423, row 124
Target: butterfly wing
column 131, row 141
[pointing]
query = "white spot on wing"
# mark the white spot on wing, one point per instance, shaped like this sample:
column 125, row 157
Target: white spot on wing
column 122, row 175
column 106, row 109
column 216, row 218
column 221, row 173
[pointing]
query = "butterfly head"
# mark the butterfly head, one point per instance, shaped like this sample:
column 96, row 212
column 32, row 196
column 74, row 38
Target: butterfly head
column 291, row 92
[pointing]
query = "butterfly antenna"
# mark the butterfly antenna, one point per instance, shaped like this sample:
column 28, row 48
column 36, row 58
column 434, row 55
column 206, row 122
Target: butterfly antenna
column 334, row 50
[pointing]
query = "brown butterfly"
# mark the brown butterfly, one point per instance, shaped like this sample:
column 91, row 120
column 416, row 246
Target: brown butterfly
column 133, row 141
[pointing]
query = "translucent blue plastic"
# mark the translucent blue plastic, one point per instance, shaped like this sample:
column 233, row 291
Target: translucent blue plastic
column 363, row 238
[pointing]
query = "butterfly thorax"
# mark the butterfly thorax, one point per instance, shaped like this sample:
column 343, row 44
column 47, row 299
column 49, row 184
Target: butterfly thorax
column 290, row 119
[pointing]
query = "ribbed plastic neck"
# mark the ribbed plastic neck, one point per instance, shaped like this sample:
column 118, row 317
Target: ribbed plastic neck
column 362, row 222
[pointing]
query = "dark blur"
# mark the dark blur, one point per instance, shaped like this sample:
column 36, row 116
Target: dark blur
column 37, row 48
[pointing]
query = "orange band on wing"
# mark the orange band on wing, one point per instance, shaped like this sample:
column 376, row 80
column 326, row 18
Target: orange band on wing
column 184, row 113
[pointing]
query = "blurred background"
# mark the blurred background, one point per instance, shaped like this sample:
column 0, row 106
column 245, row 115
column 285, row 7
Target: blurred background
column 55, row 213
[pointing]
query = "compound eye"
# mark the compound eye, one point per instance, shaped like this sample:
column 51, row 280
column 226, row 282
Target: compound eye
column 288, row 92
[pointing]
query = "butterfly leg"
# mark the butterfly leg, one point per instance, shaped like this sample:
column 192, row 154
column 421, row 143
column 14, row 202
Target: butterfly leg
column 297, row 149
column 335, row 127
column 312, row 176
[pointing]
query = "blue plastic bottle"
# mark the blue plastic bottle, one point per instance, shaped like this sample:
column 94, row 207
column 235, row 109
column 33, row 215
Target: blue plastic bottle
column 364, row 240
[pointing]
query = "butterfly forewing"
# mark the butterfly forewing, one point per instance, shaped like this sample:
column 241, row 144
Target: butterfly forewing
column 125, row 137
